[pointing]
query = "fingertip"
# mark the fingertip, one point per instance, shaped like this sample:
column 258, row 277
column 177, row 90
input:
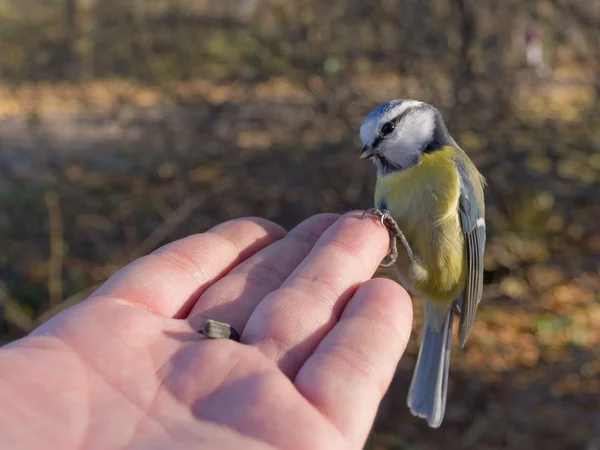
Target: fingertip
column 252, row 223
column 367, row 227
column 384, row 301
column 327, row 217
column 384, row 289
column 311, row 229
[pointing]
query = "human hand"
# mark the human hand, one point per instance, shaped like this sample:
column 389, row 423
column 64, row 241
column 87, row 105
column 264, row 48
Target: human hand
column 320, row 342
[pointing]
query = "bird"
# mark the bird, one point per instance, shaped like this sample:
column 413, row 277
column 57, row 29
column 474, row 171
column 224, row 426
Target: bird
column 430, row 197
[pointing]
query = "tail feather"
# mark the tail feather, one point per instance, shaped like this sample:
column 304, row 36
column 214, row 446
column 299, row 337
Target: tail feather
column 428, row 389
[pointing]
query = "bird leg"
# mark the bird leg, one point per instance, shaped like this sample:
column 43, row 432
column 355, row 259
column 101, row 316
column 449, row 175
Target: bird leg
column 395, row 232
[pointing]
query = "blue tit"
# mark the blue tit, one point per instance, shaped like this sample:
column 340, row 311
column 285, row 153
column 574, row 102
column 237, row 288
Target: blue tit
column 430, row 195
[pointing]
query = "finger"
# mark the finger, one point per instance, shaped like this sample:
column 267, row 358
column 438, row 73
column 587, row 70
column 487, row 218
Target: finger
column 233, row 298
column 351, row 369
column 288, row 325
column 169, row 281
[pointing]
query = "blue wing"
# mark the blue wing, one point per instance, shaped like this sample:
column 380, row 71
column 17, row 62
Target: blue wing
column 473, row 227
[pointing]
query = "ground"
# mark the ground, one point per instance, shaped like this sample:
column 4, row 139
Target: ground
column 95, row 175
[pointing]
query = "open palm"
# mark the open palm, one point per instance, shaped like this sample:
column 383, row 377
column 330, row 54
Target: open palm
column 126, row 368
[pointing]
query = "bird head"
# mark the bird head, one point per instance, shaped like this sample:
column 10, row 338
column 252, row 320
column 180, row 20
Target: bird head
column 397, row 133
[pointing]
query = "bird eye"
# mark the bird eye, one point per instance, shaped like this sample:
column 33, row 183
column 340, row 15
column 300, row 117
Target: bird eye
column 387, row 128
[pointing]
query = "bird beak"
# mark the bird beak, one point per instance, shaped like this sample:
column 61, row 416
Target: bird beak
column 367, row 152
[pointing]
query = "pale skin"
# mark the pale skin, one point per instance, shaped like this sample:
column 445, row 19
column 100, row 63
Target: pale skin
column 320, row 342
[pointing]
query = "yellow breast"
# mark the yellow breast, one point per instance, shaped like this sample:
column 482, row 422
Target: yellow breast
column 424, row 202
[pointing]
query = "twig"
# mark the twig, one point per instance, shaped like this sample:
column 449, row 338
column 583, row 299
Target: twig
column 474, row 432
column 14, row 314
column 173, row 221
column 55, row 262
column 152, row 241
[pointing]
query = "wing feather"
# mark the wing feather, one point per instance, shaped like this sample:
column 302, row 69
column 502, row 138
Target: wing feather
column 473, row 227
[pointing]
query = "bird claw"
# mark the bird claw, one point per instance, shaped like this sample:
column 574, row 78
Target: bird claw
column 396, row 234
column 381, row 213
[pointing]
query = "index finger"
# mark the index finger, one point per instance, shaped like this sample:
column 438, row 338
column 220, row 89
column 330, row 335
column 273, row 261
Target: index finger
column 289, row 323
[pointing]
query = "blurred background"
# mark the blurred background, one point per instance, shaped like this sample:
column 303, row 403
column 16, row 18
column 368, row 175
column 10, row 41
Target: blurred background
column 127, row 124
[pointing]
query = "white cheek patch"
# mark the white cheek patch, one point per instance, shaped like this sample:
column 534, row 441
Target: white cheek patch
column 413, row 132
column 417, row 129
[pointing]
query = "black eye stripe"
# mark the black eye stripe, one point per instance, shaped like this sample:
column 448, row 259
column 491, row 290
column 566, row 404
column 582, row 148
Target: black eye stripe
column 396, row 120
